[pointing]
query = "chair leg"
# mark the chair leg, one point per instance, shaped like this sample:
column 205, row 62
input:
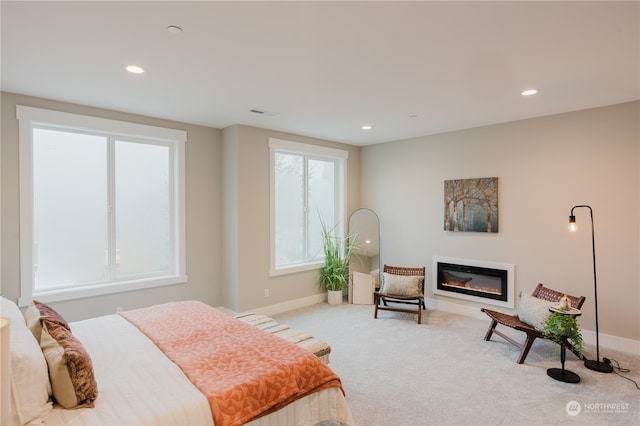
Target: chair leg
column 526, row 347
column 487, row 336
column 419, row 314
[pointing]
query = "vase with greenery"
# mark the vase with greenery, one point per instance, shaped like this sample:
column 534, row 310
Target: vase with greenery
column 560, row 326
column 337, row 253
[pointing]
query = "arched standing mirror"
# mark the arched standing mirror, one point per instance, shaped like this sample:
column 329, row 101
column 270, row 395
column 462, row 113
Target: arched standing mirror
column 364, row 265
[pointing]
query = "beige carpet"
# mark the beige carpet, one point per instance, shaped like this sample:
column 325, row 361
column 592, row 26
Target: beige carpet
column 442, row 372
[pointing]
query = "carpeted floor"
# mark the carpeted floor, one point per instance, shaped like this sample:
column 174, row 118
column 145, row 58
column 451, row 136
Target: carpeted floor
column 442, row 372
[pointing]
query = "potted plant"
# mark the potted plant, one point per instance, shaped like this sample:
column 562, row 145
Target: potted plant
column 560, row 326
column 337, row 253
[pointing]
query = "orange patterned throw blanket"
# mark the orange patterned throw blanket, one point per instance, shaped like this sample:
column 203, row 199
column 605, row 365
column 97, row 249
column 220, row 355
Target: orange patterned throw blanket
column 243, row 371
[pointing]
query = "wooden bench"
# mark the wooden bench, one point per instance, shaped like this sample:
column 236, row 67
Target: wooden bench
column 512, row 321
column 304, row 340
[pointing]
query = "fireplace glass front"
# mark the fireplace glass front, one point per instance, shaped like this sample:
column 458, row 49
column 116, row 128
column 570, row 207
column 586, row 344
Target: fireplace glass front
column 475, row 281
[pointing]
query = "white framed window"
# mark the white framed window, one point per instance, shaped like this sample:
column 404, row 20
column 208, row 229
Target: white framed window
column 307, row 185
column 102, row 205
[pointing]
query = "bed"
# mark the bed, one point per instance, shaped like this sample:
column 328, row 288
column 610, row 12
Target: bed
column 135, row 358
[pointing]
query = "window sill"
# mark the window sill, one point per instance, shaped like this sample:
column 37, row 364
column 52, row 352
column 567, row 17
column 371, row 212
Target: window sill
column 59, row 295
column 294, row 269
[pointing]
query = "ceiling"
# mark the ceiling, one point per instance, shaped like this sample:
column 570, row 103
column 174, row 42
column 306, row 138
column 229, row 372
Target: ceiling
column 324, row 69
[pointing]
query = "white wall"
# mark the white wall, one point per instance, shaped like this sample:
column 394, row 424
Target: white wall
column 203, row 210
column 250, row 211
column 545, row 166
column 227, row 218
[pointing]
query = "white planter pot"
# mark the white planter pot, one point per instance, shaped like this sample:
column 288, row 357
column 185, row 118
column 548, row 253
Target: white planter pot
column 334, row 297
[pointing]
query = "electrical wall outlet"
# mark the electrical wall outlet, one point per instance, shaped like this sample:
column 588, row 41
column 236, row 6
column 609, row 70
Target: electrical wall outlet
column 266, row 292
column 118, row 308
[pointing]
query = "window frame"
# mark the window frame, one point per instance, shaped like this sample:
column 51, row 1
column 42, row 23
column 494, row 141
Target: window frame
column 30, row 117
column 339, row 157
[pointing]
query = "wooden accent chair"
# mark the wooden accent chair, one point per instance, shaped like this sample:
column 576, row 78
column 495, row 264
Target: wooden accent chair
column 412, row 298
column 512, row 321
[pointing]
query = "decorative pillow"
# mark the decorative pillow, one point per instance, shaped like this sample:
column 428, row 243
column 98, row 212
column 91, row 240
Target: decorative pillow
column 534, row 311
column 70, row 367
column 401, row 285
column 30, row 387
column 37, row 312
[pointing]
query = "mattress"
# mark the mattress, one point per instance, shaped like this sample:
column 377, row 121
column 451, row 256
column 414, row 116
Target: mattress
column 139, row 385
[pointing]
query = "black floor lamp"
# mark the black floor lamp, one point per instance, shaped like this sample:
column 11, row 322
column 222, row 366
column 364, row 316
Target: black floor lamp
column 591, row 364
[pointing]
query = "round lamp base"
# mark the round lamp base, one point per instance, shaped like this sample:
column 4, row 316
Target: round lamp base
column 599, row 366
column 563, row 375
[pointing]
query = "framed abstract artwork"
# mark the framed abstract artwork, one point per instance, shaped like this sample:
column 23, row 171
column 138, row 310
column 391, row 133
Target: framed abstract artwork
column 471, row 205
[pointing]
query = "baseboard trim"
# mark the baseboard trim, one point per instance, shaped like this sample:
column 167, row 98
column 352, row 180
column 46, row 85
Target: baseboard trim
column 606, row 340
column 279, row 308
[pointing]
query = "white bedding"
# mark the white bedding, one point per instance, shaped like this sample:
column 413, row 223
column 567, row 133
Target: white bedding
column 138, row 385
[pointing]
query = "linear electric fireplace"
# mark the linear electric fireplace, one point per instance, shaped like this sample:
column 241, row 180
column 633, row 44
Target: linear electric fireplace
column 478, row 281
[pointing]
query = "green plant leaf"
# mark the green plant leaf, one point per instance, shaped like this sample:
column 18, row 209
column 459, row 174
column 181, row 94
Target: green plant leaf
column 337, row 253
column 559, row 326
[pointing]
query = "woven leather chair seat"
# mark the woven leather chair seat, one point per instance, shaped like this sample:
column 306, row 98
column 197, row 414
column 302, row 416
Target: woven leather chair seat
column 512, row 321
column 418, row 301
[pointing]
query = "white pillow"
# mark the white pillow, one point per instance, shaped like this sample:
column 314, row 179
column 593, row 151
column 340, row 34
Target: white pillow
column 401, row 285
column 30, row 386
column 534, row 311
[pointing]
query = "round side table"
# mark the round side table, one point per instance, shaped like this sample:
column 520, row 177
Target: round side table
column 560, row 373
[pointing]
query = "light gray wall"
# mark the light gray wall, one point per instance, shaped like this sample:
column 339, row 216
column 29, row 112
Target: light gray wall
column 250, row 209
column 545, row 166
column 230, row 217
column 203, row 214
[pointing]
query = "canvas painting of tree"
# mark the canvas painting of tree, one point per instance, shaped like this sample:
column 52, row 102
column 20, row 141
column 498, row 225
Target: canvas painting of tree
column 471, row 205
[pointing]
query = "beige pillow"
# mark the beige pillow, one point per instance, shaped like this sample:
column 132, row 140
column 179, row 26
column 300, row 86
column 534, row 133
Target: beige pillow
column 534, row 311
column 70, row 367
column 401, row 285
column 37, row 312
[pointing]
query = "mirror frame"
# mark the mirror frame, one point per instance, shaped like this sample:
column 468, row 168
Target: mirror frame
column 356, row 255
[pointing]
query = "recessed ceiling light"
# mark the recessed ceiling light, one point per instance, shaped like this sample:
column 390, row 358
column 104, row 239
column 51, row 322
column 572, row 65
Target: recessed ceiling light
column 134, row 69
column 366, row 127
column 529, row 92
column 173, row 29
